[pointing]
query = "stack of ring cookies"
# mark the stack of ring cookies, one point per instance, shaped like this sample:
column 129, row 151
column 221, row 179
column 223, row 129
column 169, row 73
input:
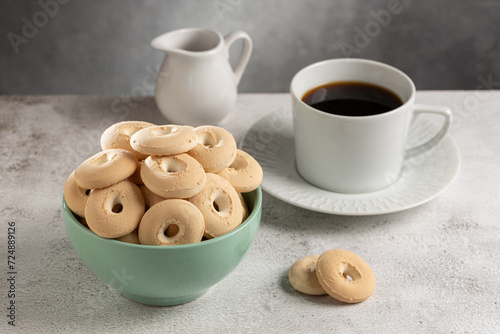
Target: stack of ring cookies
column 340, row 273
column 163, row 185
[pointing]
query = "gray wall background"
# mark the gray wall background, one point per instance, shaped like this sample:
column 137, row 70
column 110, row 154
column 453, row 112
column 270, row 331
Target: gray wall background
column 102, row 47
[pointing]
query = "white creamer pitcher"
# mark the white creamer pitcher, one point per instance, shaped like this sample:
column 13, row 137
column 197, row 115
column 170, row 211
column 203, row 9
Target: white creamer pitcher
column 196, row 84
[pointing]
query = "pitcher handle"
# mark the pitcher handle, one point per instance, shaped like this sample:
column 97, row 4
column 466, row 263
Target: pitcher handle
column 245, row 54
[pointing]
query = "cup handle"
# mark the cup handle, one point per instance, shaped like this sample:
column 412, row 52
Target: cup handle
column 431, row 109
column 245, row 54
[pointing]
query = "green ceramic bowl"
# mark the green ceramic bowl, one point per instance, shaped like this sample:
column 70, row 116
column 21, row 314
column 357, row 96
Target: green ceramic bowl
column 164, row 275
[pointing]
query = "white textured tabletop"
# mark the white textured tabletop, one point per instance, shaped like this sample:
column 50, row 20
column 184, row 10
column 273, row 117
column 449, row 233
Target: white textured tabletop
column 437, row 265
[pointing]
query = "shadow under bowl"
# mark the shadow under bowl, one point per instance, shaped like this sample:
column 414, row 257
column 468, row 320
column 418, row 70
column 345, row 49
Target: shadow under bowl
column 164, row 275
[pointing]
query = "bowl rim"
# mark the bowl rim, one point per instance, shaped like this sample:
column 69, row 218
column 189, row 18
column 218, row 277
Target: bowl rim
column 250, row 218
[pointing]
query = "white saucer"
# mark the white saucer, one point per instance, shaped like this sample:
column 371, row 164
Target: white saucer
column 270, row 142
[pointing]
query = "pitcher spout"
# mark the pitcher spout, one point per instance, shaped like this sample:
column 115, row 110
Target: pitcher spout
column 188, row 41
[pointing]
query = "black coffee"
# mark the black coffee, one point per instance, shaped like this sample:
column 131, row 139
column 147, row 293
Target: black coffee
column 348, row 98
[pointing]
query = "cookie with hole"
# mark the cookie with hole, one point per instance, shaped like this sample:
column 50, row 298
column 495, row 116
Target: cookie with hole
column 136, row 176
column 174, row 176
column 131, row 238
column 171, row 222
column 245, row 211
column 244, row 173
column 105, row 168
column 164, row 140
column 345, row 276
column 216, row 148
column 114, row 211
column 118, row 136
column 220, row 206
column 75, row 196
column 303, row 278
column 150, row 198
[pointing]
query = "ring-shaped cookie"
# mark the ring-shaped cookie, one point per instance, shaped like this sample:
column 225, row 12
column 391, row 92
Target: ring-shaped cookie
column 115, row 211
column 105, row 169
column 118, row 136
column 83, row 222
column 150, row 198
column 220, row 206
column 131, row 238
column 75, row 196
column 303, row 278
column 164, row 140
column 171, row 222
column 174, row 176
column 245, row 173
column 244, row 207
column 216, row 148
column 136, row 177
column 333, row 269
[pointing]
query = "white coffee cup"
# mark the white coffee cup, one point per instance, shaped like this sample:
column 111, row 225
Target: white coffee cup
column 356, row 154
